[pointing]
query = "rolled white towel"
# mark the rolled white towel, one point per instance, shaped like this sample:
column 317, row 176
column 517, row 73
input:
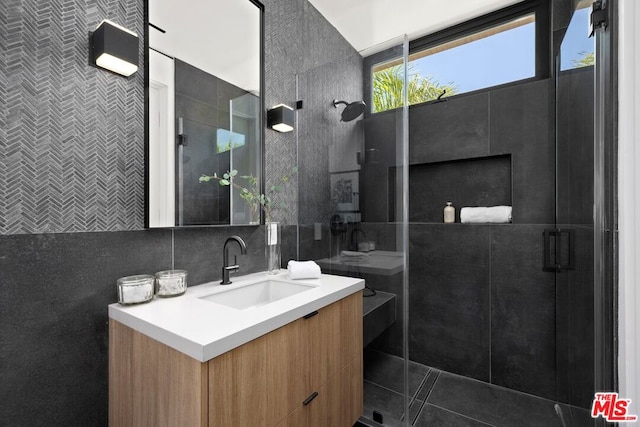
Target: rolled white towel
column 493, row 214
column 303, row 270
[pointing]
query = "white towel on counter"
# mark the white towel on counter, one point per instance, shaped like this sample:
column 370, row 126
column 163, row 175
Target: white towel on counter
column 303, row 270
column 493, row 214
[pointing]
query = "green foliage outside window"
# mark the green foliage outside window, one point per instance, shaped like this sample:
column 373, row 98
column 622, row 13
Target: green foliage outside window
column 388, row 84
column 588, row 59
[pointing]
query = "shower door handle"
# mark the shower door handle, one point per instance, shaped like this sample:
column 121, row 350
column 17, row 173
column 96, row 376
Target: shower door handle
column 562, row 257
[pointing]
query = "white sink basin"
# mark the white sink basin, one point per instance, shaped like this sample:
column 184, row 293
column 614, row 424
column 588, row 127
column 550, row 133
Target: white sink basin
column 257, row 294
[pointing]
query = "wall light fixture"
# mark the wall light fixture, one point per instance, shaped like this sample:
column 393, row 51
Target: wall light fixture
column 280, row 118
column 114, row 48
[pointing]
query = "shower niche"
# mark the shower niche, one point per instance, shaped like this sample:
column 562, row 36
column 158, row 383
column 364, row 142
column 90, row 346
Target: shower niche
column 479, row 181
column 482, row 181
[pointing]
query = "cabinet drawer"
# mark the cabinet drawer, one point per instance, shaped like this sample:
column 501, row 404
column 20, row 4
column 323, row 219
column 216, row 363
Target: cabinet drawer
column 338, row 403
column 272, row 375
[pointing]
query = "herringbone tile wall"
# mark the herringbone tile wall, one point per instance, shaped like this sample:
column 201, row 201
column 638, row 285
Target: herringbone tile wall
column 298, row 39
column 71, row 135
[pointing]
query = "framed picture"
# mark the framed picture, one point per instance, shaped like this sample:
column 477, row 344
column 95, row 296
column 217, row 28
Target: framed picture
column 345, row 192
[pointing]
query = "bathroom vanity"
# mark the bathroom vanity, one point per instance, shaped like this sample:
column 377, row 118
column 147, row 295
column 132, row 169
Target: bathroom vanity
column 263, row 351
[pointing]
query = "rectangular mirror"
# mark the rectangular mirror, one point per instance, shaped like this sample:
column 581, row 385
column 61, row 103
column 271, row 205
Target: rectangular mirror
column 204, row 111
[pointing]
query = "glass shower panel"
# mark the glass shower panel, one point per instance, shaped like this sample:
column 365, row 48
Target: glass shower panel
column 586, row 194
column 197, row 154
column 244, row 153
column 351, row 211
column 574, row 215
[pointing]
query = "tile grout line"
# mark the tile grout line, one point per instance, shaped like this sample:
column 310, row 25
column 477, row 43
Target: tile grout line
column 382, row 387
column 462, row 415
column 490, row 301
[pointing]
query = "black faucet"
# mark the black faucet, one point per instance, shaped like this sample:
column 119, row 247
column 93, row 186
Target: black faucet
column 226, row 268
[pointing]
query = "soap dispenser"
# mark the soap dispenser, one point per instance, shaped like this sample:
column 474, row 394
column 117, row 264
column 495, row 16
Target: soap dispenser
column 449, row 214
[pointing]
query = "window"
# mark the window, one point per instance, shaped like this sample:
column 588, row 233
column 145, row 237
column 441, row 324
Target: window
column 500, row 48
column 577, row 49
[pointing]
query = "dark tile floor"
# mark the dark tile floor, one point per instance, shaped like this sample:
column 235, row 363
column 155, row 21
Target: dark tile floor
column 442, row 399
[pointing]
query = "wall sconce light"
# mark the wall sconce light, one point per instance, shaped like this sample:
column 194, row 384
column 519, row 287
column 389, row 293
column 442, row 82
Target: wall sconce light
column 114, row 48
column 280, row 118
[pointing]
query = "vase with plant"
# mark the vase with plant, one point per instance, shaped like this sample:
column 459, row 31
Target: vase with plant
column 256, row 201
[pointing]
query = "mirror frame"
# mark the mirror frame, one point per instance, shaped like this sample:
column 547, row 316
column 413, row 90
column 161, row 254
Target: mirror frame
column 261, row 122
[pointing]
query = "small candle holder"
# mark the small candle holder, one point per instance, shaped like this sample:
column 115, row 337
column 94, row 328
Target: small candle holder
column 135, row 289
column 171, row 283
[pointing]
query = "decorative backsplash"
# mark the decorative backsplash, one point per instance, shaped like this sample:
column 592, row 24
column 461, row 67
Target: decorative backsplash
column 71, row 135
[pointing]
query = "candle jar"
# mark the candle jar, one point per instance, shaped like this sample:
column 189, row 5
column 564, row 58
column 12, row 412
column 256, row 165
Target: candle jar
column 171, row 283
column 135, row 289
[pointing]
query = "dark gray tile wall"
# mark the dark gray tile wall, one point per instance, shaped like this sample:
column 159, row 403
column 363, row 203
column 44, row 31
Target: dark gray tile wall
column 575, row 200
column 327, row 145
column 515, row 120
column 449, row 300
column 454, row 129
column 380, row 145
column 298, row 39
column 199, row 251
column 575, row 147
column 523, row 312
column 72, row 159
column 522, row 124
column 53, row 317
column 481, row 306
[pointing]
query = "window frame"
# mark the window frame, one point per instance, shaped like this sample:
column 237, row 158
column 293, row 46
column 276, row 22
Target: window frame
column 543, row 58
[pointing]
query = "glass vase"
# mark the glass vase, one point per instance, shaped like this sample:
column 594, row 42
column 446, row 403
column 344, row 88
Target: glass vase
column 272, row 247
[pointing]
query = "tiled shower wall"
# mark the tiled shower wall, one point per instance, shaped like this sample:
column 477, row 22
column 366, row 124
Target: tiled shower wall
column 72, row 195
column 480, row 303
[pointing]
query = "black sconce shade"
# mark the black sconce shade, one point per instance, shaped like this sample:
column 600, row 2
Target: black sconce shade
column 280, row 118
column 114, row 48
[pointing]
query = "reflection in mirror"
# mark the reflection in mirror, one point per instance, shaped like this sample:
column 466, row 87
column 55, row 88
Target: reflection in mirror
column 205, row 108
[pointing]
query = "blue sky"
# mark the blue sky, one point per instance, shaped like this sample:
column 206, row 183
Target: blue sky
column 501, row 58
column 490, row 61
column 576, row 39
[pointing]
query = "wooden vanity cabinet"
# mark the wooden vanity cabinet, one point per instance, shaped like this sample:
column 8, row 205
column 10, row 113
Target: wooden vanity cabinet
column 306, row 373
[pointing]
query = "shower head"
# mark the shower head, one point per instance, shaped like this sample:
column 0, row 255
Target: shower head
column 352, row 110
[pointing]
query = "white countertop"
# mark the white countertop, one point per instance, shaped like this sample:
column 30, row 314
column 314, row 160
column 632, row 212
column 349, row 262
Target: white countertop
column 204, row 329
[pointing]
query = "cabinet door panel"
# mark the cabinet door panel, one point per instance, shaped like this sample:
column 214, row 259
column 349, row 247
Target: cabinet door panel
column 153, row 384
column 350, row 327
column 351, row 390
column 287, row 363
column 323, row 332
column 238, row 386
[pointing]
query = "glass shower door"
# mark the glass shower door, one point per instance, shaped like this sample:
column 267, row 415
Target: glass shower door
column 352, row 210
column 581, row 246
